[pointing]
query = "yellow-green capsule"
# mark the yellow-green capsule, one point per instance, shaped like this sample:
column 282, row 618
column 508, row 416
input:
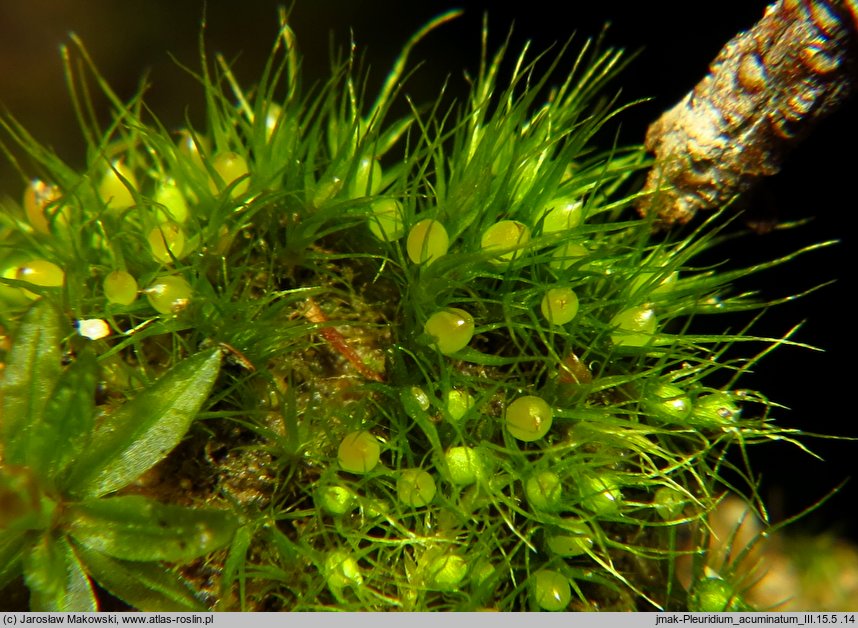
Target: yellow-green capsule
column 559, row 305
column 230, row 167
column 169, row 294
column 359, row 452
column 528, row 418
column 505, row 235
column 40, row 272
column 452, row 328
column 120, row 287
column 171, row 203
column 427, row 241
column 42, row 206
column 116, row 186
column 167, row 241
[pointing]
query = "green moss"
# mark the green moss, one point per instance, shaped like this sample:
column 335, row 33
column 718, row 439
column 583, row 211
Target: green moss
column 364, row 446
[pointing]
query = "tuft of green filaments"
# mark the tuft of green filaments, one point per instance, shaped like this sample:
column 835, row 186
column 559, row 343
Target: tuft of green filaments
column 366, row 362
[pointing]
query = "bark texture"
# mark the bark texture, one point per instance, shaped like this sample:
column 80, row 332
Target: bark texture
column 765, row 91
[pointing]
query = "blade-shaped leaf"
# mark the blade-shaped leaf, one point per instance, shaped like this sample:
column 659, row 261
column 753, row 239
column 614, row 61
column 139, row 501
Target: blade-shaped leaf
column 234, row 565
column 67, row 422
column 32, row 371
column 56, row 579
column 133, row 527
column 147, row 587
column 131, row 439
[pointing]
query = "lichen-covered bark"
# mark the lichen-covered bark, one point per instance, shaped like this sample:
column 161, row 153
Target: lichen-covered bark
column 766, row 90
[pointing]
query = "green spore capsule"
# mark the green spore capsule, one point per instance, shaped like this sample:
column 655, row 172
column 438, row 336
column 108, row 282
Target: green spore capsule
column 653, row 283
column 465, row 465
column 458, row 404
column 166, row 241
column 634, row 326
column 427, row 241
column 113, row 190
column 550, row 590
column 667, row 403
column 561, row 214
column 505, row 235
column 714, row 595
column 528, row 418
column 342, row 570
column 567, row 255
column 41, row 205
column 575, row 539
column 367, row 179
column 359, row 452
column 40, row 272
column 446, row 572
column 335, row 500
column 169, row 294
column 193, row 147
column 415, row 402
column 668, row 503
column 600, row 494
column 714, row 410
column 10, row 294
column 451, row 328
column 559, row 305
column 120, row 288
column 415, row 487
column 544, row 491
column 386, row 222
column 230, row 167
column 171, row 203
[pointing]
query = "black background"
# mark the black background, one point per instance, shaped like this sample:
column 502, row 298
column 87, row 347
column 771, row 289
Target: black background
column 675, row 40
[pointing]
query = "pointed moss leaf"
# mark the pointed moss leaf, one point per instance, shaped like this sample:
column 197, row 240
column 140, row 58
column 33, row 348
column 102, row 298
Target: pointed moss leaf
column 63, row 433
column 32, row 371
column 56, row 578
column 131, row 439
column 233, row 566
column 133, row 527
column 148, row 587
column 11, row 550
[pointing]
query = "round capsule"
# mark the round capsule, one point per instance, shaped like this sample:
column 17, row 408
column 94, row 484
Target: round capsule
column 415, row 487
column 116, row 186
column 528, row 418
column 169, row 294
column 559, row 305
column 120, row 287
column 230, row 167
column 167, row 242
column 634, row 326
column 359, row 452
column 550, row 590
column 451, row 329
column 503, row 235
column 427, row 241
column 386, row 222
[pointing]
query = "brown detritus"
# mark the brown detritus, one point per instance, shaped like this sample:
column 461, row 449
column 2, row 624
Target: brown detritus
column 574, row 371
column 338, row 343
column 765, row 91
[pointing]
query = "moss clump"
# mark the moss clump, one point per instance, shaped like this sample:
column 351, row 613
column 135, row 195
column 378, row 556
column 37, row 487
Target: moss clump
column 365, row 445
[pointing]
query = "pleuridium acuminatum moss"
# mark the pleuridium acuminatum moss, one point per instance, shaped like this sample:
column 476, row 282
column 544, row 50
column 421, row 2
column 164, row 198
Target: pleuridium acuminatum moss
column 457, row 371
